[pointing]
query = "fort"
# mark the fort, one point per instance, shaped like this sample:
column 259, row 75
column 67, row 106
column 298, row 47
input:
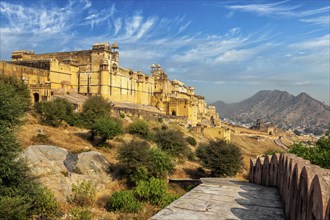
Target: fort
column 97, row 72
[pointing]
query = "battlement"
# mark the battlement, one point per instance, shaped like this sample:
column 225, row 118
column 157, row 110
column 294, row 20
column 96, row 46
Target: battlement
column 305, row 188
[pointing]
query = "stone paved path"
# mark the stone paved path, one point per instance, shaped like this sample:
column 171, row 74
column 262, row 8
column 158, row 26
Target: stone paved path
column 222, row 198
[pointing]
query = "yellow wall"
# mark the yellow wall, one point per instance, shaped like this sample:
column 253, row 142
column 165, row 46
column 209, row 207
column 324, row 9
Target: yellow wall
column 97, row 72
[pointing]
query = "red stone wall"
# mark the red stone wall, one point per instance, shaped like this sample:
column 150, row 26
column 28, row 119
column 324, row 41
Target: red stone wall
column 304, row 188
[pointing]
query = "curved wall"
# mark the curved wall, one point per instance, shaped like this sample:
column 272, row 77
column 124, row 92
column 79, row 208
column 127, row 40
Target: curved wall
column 304, row 188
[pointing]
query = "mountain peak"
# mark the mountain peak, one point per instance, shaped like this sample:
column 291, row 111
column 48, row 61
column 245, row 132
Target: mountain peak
column 279, row 107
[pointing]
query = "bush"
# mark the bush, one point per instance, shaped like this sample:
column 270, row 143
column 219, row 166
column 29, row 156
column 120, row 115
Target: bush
column 154, row 191
column 83, row 194
column 140, row 162
column 14, row 100
column 139, row 128
column 106, row 128
column 160, row 119
column 159, row 163
column 13, row 207
column 20, row 196
column 222, row 158
column 123, row 201
column 318, row 154
column 40, row 139
column 45, row 204
column 55, row 111
column 191, row 140
column 133, row 156
column 80, row 214
column 122, row 114
column 172, row 142
column 95, row 107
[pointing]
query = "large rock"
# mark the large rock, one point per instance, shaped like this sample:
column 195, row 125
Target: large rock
column 58, row 169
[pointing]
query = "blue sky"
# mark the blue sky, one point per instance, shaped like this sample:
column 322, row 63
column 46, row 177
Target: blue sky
column 228, row 50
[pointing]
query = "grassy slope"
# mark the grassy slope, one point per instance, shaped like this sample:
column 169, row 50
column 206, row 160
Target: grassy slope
column 75, row 140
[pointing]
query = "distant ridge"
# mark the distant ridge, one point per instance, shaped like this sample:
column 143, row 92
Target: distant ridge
column 301, row 112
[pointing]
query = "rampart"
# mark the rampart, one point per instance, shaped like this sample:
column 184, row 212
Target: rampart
column 304, row 188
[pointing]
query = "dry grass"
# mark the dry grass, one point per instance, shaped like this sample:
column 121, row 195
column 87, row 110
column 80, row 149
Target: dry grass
column 71, row 138
column 76, row 140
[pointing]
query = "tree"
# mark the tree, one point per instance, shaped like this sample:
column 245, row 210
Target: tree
column 106, row 127
column 14, row 100
column 172, row 142
column 222, row 158
column 95, row 107
column 20, row 196
column 139, row 128
column 318, row 154
column 140, row 162
column 55, row 111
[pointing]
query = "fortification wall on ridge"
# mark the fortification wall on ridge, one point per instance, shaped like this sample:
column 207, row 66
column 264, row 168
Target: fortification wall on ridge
column 304, row 188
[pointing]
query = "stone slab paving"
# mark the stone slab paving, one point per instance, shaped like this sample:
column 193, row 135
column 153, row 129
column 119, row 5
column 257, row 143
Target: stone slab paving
column 223, row 198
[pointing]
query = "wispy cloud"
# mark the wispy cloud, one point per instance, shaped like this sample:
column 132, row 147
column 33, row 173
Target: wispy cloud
column 322, row 20
column 318, row 43
column 285, row 9
column 95, row 16
column 278, row 8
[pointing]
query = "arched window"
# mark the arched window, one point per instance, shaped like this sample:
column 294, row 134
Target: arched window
column 36, row 97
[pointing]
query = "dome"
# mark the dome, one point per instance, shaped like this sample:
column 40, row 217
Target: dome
column 115, row 45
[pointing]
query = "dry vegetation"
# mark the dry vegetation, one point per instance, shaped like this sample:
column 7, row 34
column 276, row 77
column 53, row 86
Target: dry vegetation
column 252, row 143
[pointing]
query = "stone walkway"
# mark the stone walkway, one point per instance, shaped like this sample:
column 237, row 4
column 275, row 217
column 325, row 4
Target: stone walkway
column 221, row 198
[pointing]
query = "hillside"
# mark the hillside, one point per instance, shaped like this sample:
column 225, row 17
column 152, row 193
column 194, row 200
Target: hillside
column 301, row 112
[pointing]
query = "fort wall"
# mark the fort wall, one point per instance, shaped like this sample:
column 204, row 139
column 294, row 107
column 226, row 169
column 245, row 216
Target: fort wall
column 97, row 72
column 304, row 188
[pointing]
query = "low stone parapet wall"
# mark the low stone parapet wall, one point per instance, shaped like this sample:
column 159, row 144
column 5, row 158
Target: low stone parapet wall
column 304, row 188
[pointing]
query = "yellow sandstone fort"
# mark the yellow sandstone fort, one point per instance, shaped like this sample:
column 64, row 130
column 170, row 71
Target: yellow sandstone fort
column 97, row 72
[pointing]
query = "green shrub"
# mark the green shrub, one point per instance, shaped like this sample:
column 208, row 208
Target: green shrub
column 13, row 207
column 95, row 107
column 160, row 119
column 222, row 158
column 324, row 142
column 45, row 204
column 154, row 191
column 83, row 194
column 122, row 114
column 123, row 201
column 106, row 128
column 40, row 139
column 140, row 162
column 318, row 154
column 139, row 128
column 191, row 156
column 159, row 163
column 133, row 156
column 55, row 111
column 14, row 100
column 80, row 214
column 191, row 140
column 172, row 142
column 20, row 196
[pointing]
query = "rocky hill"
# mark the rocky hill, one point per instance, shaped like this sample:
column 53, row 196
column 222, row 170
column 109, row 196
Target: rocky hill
column 301, row 112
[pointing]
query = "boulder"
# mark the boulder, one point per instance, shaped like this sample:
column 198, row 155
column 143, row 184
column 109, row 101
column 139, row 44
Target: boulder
column 58, row 169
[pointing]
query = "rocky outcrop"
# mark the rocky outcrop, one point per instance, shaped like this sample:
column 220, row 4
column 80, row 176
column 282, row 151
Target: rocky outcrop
column 304, row 188
column 280, row 108
column 58, row 169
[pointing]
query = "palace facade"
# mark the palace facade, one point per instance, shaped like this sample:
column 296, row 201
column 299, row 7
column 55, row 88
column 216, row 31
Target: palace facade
column 97, row 72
